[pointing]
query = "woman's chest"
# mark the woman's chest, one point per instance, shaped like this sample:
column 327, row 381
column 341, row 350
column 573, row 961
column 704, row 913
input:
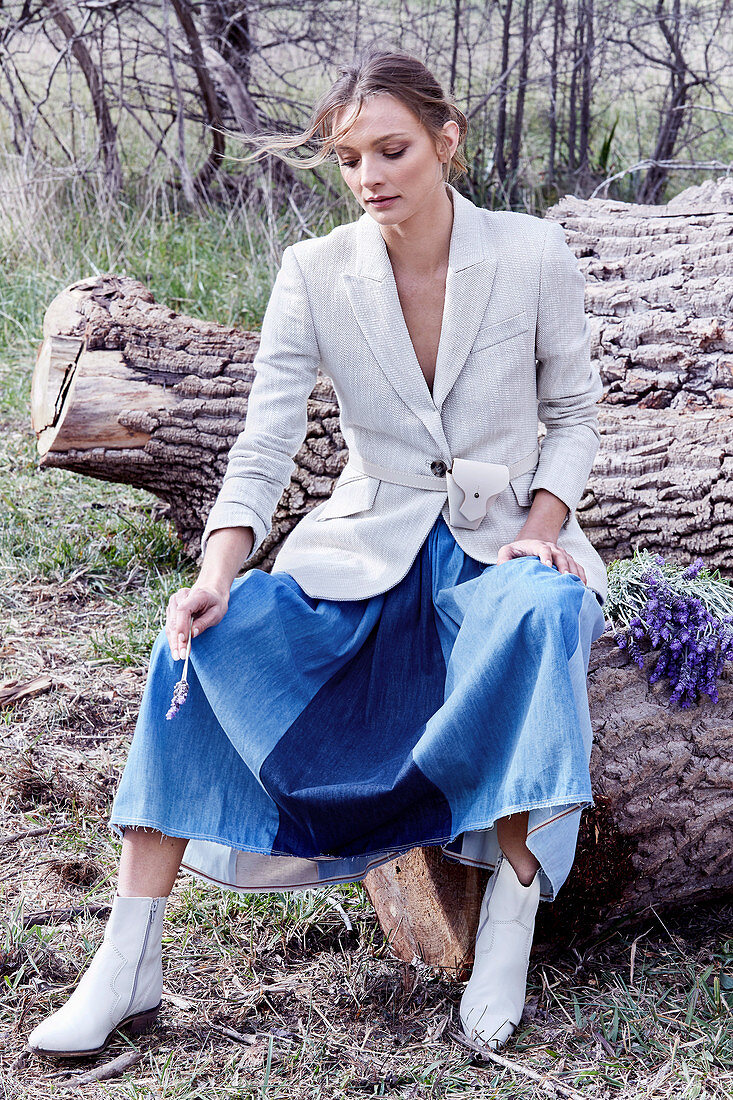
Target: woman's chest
column 423, row 302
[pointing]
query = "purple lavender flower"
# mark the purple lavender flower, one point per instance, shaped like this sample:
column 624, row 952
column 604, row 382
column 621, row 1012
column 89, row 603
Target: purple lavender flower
column 180, row 691
column 694, row 569
column 180, row 694
column 670, row 610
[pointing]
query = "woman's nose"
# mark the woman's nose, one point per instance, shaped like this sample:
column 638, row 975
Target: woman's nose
column 371, row 173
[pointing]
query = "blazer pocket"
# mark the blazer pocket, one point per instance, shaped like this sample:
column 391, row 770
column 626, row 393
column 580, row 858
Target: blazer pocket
column 520, row 487
column 502, row 330
column 349, row 497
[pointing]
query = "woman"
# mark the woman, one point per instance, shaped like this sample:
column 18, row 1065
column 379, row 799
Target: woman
column 412, row 670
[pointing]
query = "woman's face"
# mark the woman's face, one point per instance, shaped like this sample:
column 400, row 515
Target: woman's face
column 388, row 154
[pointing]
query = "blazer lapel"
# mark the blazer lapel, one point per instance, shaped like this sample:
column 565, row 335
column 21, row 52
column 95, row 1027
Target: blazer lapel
column 372, row 291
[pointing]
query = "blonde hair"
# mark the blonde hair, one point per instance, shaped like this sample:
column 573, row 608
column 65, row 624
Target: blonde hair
column 372, row 72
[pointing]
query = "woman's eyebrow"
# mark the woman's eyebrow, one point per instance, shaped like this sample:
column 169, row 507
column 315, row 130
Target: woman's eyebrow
column 377, row 141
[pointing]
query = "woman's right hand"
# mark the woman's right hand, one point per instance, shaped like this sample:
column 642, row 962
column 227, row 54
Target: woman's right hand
column 207, row 605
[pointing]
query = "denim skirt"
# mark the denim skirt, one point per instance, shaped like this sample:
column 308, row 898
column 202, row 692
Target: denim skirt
column 323, row 737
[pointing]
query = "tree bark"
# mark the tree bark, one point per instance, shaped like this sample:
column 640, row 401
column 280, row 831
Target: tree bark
column 213, row 162
column 126, row 390
column 659, row 287
column 95, row 83
column 558, row 26
column 681, row 81
column 586, row 92
column 518, row 120
column 499, row 161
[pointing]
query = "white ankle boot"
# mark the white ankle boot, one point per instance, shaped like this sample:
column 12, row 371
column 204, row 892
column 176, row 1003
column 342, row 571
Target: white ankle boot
column 493, row 1000
column 122, row 986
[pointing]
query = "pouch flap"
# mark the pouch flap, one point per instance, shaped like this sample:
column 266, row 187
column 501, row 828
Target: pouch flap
column 480, row 482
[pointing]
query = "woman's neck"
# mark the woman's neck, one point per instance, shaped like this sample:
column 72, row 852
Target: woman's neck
column 420, row 244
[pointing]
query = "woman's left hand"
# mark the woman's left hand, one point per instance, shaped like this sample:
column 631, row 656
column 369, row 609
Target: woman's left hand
column 548, row 552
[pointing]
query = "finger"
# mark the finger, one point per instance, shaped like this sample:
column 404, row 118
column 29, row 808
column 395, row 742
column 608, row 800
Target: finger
column 511, row 551
column 579, row 570
column 172, row 605
column 575, row 568
column 196, row 599
column 183, row 626
column 545, row 554
column 198, row 610
column 563, row 561
column 180, row 620
column 176, row 598
column 210, row 618
column 177, row 640
column 171, row 623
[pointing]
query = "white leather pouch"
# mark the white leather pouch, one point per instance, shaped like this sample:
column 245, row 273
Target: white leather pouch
column 472, row 489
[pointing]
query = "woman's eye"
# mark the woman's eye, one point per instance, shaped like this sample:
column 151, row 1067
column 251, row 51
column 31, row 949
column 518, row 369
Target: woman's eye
column 351, row 163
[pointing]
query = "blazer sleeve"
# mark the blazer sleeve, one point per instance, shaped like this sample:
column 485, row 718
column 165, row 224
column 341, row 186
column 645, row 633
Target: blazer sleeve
column 568, row 383
column 260, row 462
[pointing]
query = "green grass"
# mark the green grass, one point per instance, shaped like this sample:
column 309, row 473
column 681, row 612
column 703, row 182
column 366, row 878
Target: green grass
column 59, row 526
column 214, row 263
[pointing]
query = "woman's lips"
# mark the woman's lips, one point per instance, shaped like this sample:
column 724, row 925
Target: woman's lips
column 381, row 203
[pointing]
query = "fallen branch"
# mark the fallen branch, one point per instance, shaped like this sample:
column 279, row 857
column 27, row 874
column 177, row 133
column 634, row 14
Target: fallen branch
column 43, row 831
column 13, row 691
column 105, row 1072
column 516, row 1067
column 60, row 916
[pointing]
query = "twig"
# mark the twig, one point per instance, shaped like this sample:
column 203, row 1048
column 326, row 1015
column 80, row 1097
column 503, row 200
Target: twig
column 517, row 1067
column 248, row 1040
column 230, row 1033
column 604, row 1043
column 60, row 916
column 115, row 1068
column 14, row 837
column 642, row 165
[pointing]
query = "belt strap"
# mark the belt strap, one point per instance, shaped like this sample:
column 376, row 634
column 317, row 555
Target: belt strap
column 432, row 481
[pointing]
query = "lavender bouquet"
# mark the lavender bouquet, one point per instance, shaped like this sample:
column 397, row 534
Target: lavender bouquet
column 180, row 690
column 685, row 615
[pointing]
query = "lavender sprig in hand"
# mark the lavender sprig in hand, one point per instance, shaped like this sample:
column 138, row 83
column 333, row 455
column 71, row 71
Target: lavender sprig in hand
column 686, row 615
column 180, row 691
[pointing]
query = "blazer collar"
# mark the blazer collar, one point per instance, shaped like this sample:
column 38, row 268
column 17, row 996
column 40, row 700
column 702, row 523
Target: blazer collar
column 372, row 291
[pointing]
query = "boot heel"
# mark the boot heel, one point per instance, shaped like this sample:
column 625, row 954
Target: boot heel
column 141, row 1023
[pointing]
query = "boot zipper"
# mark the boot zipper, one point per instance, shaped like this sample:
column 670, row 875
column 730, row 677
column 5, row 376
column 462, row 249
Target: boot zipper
column 151, row 918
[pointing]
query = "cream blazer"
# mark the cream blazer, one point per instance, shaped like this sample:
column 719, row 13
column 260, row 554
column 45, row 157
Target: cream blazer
column 514, row 347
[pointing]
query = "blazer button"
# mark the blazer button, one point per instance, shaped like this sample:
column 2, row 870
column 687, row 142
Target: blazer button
column 438, row 467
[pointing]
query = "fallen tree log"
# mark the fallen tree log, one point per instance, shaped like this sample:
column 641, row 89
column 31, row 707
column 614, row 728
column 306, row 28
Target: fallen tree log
column 659, row 297
column 127, row 390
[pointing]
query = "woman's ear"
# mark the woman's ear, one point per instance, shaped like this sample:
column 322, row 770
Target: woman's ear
column 452, row 135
